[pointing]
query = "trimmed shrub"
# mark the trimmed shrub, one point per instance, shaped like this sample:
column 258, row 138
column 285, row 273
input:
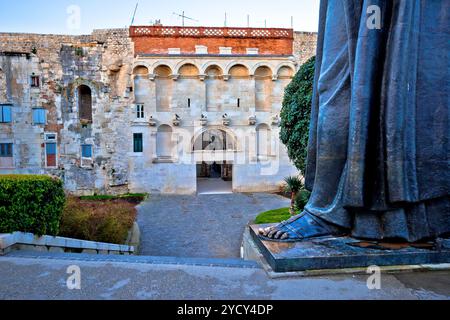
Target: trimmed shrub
column 31, row 203
column 95, row 220
column 296, row 114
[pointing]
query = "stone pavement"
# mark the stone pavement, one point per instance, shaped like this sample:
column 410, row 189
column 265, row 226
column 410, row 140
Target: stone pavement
column 45, row 278
column 205, row 226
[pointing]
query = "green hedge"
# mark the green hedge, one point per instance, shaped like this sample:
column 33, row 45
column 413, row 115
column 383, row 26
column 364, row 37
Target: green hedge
column 296, row 114
column 31, row 203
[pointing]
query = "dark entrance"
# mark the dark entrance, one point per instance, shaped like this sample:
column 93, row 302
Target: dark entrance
column 215, row 170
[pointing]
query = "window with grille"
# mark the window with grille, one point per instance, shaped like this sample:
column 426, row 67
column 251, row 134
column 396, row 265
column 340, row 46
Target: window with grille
column 35, row 81
column 140, row 114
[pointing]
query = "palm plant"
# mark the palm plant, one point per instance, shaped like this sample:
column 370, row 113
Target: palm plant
column 293, row 185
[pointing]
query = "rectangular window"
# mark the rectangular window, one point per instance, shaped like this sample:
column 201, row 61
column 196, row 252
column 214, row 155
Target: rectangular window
column 252, row 51
column 39, row 116
column 6, row 150
column 138, row 145
column 86, row 151
column 50, row 154
column 174, row 51
column 5, row 114
column 35, row 82
column 50, row 136
column 225, row 50
column 140, row 111
column 238, row 103
column 6, row 155
column 86, row 156
column 201, row 50
column 189, row 103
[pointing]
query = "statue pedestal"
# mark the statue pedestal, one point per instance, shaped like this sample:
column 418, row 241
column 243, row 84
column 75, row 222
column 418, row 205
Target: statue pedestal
column 343, row 253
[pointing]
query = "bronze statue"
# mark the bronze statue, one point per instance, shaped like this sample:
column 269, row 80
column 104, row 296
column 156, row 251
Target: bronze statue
column 378, row 156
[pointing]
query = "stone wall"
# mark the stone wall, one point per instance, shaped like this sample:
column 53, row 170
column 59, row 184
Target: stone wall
column 100, row 61
column 305, row 46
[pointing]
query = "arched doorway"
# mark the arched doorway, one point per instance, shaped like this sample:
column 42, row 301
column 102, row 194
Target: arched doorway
column 214, row 150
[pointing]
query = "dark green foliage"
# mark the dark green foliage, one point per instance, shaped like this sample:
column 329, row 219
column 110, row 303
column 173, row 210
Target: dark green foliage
column 296, row 113
column 293, row 184
column 31, row 203
column 130, row 197
column 302, row 199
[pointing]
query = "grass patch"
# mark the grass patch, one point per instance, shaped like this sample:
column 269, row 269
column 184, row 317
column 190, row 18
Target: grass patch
column 273, row 216
column 130, row 197
column 94, row 220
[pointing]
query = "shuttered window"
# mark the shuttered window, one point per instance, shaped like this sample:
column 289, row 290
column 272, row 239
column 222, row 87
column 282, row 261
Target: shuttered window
column 138, row 145
column 5, row 114
column 50, row 153
column 39, row 116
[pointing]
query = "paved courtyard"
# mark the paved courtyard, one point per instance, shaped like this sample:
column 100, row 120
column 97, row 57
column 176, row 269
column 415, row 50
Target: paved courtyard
column 45, row 278
column 203, row 226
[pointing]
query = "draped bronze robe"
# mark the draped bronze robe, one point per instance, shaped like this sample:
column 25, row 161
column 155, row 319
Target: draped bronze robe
column 378, row 156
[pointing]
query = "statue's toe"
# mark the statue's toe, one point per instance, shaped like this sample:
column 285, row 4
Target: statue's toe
column 272, row 233
column 267, row 231
column 278, row 234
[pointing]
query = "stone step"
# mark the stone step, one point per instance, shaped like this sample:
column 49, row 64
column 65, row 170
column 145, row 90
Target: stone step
column 206, row 262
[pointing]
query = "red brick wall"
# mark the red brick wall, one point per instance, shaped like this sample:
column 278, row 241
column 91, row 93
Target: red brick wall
column 157, row 40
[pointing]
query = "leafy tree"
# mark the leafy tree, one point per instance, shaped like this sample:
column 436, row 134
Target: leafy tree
column 293, row 185
column 296, row 113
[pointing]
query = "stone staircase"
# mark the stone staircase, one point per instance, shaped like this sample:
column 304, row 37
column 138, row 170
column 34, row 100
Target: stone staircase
column 205, row 262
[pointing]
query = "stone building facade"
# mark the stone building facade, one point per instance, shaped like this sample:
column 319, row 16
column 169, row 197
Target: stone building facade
column 149, row 109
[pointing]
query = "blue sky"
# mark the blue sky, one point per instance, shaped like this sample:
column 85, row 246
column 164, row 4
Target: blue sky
column 51, row 16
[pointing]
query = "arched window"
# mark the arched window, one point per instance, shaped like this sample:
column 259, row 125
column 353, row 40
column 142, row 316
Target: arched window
column 164, row 88
column 238, row 88
column 187, row 87
column 141, row 84
column 239, row 71
column 188, row 70
column 264, row 138
column 214, row 88
column 164, row 144
column 285, row 72
column 85, row 103
column 215, row 140
column 263, row 89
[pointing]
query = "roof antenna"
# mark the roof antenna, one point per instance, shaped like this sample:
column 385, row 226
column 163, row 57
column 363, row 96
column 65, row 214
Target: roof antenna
column 225, row 24
column 134, row 14
column 183, row 17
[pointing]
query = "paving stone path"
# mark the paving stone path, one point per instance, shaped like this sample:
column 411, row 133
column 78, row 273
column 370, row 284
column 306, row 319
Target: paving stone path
column 203, row 226
column 46, row 279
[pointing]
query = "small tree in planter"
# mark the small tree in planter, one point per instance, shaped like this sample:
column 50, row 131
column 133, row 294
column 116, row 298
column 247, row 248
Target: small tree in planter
column 293, row 185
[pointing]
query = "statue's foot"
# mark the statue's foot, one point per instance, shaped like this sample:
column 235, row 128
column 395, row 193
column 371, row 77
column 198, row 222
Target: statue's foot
column 298, row 228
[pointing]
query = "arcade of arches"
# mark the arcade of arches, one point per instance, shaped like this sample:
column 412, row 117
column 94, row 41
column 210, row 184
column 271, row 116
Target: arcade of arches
column 234, row 104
